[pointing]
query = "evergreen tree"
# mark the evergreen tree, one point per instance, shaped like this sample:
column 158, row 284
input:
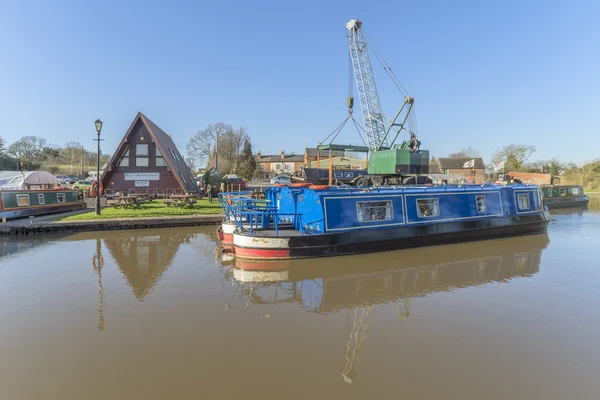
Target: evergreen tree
column 247, row 163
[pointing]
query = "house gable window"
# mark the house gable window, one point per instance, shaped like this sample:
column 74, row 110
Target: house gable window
column 159, row 161
column 427, row 208
column 141, row 155
column 141, row 149
column 124, row 159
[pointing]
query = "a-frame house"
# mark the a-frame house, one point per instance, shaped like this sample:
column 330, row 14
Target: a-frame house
column 147, row 160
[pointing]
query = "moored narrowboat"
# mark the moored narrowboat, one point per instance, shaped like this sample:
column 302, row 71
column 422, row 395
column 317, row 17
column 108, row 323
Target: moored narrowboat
column 24, row 194
column 564, row 196
column 325, row 221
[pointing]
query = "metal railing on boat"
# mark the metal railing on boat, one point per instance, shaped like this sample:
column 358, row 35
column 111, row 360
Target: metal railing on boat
column 247, row 212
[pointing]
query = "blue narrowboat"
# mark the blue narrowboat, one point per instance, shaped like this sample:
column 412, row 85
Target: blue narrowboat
column 323, row 221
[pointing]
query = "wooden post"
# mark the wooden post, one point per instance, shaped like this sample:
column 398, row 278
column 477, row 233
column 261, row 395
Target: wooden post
column 367, row 160
column 318, row 158
column 330, row 167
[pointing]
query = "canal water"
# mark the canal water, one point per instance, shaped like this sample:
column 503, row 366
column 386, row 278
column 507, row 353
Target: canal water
column 156, row 314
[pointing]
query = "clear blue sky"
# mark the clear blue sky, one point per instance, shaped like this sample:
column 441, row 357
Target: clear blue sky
column 482, row 73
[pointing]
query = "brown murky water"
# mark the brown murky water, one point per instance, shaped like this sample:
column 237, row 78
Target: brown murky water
column 156, row 314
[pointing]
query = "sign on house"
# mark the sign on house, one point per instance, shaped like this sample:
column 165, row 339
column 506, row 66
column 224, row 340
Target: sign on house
column 142, row 176
column 142, row 183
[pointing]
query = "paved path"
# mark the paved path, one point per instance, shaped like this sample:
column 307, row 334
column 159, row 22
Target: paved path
column 41, row 226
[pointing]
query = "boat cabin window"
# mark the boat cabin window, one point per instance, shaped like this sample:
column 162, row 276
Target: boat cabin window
column 369, row 211
column 481, row 205
column 563, row 191
column 550, row 192
column 41, row 199
column 60, row 197
column 22, row 200
column 523, row 200
column 575, row 191
column 428, row 208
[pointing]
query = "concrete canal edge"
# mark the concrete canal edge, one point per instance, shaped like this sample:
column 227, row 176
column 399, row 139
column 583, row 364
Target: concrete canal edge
column 27, row 228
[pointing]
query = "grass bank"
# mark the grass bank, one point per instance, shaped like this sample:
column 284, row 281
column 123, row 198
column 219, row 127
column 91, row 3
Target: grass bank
column 154, row 209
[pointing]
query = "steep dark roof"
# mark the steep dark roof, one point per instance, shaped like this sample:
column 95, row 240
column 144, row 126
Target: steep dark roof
column 277, row 158
column 312, row 152
column 458, row 163
column 435, row 169
column 167, row 148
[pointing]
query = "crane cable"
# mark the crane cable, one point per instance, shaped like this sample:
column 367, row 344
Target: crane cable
column 386, row 66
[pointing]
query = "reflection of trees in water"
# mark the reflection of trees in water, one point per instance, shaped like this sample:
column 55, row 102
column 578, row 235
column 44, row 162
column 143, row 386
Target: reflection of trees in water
column 594, row 204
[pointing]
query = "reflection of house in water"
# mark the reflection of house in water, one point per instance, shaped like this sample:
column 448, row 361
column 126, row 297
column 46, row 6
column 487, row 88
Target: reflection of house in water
column 363, row 282
column 144, row 259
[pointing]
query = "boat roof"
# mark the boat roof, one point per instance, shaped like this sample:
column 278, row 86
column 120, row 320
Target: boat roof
column 19, row 180
column 384, row 190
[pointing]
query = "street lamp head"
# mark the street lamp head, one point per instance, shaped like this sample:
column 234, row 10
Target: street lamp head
column 98, row 126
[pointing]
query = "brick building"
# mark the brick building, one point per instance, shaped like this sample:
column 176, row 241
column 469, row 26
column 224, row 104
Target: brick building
column 269, row 165
column 531, row 177
column 147, row 160
column 456, row 166
column 312, row 154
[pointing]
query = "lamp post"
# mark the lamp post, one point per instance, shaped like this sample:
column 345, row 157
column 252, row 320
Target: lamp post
column 98, row 129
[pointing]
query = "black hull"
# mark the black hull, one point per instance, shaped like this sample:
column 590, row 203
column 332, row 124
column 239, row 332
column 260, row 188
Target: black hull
column 404, row 237
column 27, row 212
column 567, row 202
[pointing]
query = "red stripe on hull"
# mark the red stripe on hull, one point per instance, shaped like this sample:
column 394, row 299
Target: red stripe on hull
column 242, row 252
column 227, row 239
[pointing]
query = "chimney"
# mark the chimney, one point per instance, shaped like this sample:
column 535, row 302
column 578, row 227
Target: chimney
column 258, row 155
column 282, row 154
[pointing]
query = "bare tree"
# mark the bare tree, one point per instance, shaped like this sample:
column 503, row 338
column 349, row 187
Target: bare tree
column 72, row 152
column 465, row 152
column 28, row 150
column 220, row 140
column 513, row 156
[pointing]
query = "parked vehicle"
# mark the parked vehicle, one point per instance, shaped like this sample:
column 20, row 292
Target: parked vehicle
column 234, row 181
column 84, row 185
column 66, row 179
column 281, row 180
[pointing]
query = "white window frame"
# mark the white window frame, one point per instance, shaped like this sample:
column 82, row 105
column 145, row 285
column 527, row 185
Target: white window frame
column 436, row 210
column 64, row 197
column 562, row 192
column 519, row 201
column 575, row 191
column 389, row 215
column 137, row 159
column 550, row 192
column 477, row 198
column 41, row 199
column 20, row 196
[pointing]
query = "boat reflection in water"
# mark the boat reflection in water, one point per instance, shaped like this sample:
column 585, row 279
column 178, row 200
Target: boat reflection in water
column 357, row 283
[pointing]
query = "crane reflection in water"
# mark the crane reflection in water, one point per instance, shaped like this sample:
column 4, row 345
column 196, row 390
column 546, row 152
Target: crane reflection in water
column 358, row 283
